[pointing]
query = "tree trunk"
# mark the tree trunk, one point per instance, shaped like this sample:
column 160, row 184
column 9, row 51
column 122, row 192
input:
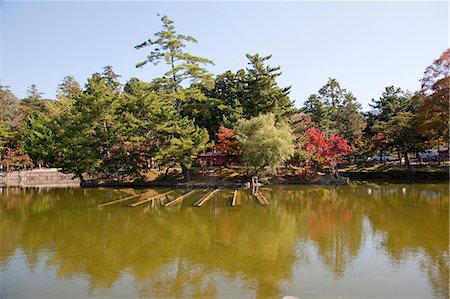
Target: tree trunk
column 185, row 171
column 408, row 165
column 383, row 158
column 166, row 173
column 82, row 180
column 399, row 156
column 439, row 153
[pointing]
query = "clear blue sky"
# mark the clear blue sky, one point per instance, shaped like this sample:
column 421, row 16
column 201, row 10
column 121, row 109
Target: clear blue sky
column 365, row 45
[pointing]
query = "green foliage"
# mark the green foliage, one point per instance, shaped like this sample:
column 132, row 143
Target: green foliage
column 68, row 89
column 263, row 93
column 244, row 94
column 104, row 128
column 319, row 112
column 9, row 117
column 264, row 142
column 395, row 127
column 221, row 105
column 400, row 132
column 168, row 46
column 181, row 140
column 392, row 102
column 335, row 110
column 39, row 139
column 33, row 102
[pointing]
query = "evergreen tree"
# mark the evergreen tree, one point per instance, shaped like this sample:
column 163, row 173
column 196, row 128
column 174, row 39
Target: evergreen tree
column 68, row 89
column 319, row 112
column 83, row 134
column 33, row 102
column 136, row 117
column 264, row 94
column 392, row 102
column 349, row 121
column 183, row 138
column 9, row 116
column 169, row 47
column 335, row 110
column 396, row 112
column 221, row 105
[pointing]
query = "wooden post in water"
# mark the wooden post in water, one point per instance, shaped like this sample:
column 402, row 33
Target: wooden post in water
column 149, row 199
column 121, row 199
column 205, row 198
column 235, row 195
column 179, row 199
column 261, row 199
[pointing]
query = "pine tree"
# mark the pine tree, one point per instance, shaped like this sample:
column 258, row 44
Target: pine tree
column 319, row 112
column 181, row 138
column 221, row 105
column 68, row 89
column 335, row 110
column 33, row 102
column 9, row 116
column 392, row 102
column 264, row 94
column 169, row 47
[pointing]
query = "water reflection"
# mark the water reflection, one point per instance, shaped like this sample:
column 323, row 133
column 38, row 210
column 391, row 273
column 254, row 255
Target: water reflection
column 218, row 251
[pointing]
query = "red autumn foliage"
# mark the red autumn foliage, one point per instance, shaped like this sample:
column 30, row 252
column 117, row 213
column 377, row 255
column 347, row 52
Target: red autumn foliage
column 327, row 150
column 16, row 157
column 227, row 143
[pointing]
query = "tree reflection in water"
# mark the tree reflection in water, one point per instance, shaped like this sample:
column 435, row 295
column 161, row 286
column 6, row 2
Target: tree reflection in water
column 192, row 252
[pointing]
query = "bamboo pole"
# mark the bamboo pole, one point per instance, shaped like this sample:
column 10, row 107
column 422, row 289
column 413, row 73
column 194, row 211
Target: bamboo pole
column 149, row 199
column 206, row 197
column 233, row 202
column 177, row 200
column 264, row 198
column 121, row 199
column 261, row 199
column 207, row 190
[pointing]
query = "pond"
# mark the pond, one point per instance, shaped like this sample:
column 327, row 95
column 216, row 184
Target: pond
column 356, row 241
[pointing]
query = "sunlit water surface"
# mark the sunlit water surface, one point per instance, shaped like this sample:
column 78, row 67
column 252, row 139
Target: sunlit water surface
column 358, row 241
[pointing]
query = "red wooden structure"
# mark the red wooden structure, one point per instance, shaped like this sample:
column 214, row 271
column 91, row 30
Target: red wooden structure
column 215, row 158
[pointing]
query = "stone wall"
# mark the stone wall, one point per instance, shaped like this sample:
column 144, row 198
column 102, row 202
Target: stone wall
column 38, row 178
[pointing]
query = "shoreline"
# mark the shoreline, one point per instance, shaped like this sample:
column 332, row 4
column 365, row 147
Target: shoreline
column 56, row 179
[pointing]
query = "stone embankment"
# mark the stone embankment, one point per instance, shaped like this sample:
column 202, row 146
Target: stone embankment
column 48, row 177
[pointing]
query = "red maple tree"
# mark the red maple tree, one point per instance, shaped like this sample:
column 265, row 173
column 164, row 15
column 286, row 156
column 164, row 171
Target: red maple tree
column 327, row 150
column 16, row 158
column 227, row 142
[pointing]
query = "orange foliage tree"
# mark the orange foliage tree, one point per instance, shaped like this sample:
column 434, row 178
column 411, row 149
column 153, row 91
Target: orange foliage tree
column 433, row 99
column 16, row 158
column 227, row 142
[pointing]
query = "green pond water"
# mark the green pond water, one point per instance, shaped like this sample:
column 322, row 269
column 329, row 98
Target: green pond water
column 359, row 241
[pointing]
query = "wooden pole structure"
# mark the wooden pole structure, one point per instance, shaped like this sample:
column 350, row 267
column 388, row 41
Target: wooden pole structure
column 233, row 202
column 179, row 199
column 149, row 199
column 207, row 190
column 261, row 199
column 121, row 199
column 206, row 197
column 264, row 198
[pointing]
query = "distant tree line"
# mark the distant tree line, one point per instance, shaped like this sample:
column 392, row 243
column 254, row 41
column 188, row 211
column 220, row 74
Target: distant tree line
column 105, row 126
